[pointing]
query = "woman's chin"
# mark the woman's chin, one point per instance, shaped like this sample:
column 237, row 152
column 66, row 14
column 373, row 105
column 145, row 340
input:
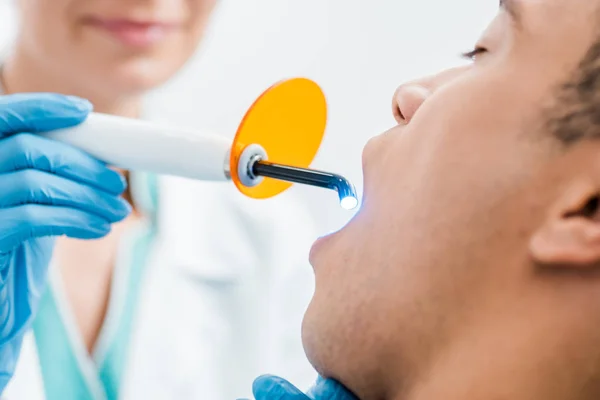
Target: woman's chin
column 139, row 79
column 128, row 84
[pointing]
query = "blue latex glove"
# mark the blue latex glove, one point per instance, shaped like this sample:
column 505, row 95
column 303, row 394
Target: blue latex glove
column 46, row 189
column 270, row 387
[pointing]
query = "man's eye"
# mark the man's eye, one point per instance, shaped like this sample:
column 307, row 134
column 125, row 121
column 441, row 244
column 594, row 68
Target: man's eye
column 473, row 54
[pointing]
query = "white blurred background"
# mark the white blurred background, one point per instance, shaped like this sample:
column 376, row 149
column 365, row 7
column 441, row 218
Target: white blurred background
column 357, row 50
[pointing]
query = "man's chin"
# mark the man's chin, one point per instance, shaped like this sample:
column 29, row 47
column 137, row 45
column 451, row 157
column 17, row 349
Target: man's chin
column 329, row 341
column 320, row 350
column 313, row 340
column 320, row 340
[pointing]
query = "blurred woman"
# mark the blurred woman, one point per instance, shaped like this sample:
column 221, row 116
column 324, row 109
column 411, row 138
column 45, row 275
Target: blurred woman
column 198, row 290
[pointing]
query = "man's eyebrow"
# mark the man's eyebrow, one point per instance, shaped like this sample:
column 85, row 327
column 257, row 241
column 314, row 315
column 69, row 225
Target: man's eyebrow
column 512, row 7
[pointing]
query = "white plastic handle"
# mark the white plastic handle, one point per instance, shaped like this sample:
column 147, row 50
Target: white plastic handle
column 139, row 145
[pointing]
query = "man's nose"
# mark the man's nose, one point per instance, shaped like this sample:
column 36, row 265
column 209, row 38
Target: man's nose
column 407, row 100
column 410, row 96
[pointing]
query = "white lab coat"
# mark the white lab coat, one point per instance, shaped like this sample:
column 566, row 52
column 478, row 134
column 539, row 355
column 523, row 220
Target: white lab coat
column 225, row 294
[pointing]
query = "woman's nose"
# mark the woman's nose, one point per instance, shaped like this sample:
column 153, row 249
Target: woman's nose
column 407, row 100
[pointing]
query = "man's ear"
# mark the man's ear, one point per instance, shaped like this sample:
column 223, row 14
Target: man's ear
column 570, row 235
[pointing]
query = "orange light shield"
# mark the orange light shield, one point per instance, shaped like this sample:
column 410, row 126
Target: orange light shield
column 288, row 121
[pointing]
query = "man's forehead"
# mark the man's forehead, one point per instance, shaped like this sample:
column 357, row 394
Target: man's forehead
column 554, row 8
column 555, row 24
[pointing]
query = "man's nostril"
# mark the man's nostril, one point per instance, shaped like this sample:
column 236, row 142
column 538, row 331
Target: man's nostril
column 398, row 114
column 407, row 101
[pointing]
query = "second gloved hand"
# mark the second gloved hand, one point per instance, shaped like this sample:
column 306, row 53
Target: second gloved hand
column 47, row 189
column 270, row 387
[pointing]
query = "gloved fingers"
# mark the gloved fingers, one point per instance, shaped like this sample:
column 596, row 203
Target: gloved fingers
column 39, row 112
column 330, row 389
column 31, row 186
column 28, row 151
column 35, row 221
column 269, row 387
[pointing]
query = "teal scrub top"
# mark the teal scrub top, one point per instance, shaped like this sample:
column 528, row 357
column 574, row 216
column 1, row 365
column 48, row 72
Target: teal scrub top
column 68, row 371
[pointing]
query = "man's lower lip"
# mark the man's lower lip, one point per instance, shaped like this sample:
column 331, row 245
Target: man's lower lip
column 135, row 35
column 314, row 250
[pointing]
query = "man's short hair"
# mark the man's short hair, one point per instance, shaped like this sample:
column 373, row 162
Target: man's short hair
column 576, row 115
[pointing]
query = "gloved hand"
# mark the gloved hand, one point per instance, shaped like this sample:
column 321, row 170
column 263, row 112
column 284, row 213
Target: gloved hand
column 46, row 189
column 274, row 388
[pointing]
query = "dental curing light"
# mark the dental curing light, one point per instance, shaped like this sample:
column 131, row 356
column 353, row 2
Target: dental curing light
column 275, row 144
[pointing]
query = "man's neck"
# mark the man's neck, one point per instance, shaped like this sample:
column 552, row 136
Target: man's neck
column 513, row 364
column 22, row 73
